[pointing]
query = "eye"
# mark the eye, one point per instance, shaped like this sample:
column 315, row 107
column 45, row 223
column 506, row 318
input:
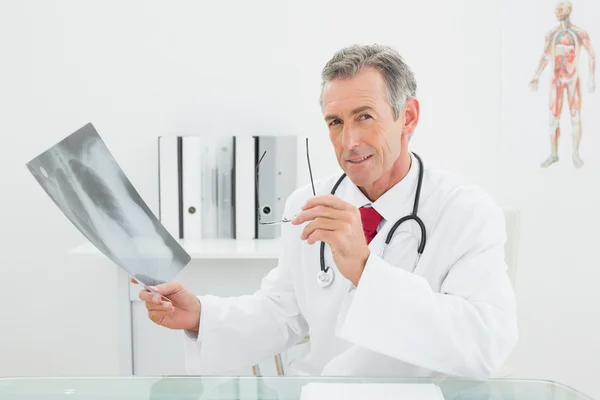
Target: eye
column 365, row 116
column 334, row 122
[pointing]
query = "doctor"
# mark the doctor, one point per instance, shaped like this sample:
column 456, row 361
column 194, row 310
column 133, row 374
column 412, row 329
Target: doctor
column 449, row 311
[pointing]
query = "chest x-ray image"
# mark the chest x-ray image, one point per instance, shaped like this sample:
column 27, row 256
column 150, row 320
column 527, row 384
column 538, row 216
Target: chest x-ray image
column 85, row 181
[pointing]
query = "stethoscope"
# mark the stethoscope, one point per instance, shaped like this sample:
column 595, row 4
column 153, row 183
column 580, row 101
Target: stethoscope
column 325, row 276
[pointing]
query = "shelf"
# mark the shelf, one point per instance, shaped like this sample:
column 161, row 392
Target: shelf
column 220, row 249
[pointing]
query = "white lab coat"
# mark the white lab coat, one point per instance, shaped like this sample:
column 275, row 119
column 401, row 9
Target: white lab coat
column 454, row 315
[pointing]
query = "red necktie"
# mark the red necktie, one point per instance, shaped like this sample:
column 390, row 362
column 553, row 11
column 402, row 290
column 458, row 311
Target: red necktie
column 370, row 221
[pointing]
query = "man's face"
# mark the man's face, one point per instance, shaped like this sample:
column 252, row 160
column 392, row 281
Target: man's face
column 362, row 129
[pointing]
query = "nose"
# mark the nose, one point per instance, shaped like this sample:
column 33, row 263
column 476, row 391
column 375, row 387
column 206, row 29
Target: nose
column 350, row 137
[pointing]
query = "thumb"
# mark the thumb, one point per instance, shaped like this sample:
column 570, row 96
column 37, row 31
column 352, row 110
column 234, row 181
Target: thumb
column 168, row 288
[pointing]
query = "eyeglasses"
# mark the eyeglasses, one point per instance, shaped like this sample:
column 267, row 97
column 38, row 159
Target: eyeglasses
column 258, row 210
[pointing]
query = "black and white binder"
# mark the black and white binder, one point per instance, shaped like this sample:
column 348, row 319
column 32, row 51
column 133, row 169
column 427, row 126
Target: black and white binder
column 207, row 185
column 169, row 187
column 277, row 179
column 197, row 186
column 193, row 212
column 245, row 207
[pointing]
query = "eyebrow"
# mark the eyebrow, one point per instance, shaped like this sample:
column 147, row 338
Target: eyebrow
column 358, row 110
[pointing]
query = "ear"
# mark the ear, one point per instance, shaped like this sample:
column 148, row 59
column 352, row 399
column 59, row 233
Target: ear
column 411, row 116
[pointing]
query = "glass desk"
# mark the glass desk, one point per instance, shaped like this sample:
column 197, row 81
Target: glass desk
column 271, row 388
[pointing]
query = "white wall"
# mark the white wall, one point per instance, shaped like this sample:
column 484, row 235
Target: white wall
column 558, row 271
column 140, row 69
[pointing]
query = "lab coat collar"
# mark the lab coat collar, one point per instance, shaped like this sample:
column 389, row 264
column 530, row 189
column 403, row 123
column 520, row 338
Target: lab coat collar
column 393, row 204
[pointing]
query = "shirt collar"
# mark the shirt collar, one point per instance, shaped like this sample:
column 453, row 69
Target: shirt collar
column 393, row 204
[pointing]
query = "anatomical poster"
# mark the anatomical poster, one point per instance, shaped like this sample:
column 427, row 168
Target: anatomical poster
column 550, row 110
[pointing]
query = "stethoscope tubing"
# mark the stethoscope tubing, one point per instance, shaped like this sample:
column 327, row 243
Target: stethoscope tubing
column 413, row 216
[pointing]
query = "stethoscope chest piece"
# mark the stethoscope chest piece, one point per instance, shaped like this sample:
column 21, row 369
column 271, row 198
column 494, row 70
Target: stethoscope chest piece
column 325, row 279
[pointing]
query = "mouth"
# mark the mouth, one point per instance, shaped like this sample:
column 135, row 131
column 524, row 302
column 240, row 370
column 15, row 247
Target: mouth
column 358, row 161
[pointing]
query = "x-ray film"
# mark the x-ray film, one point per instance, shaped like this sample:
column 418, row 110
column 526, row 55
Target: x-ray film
column 85, row 181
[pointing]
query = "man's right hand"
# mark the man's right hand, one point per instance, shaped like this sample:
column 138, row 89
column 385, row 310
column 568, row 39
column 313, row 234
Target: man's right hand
column 182, row 313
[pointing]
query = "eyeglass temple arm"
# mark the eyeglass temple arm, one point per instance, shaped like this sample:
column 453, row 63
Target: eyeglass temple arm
column 312, row 183
column 310, row 169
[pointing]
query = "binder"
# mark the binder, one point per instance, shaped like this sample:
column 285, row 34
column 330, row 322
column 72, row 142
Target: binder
column 197, row 193
column 207, row 185
column 226, row 187
column 277, row 179
column 213, row 185
column 169, row 172
column 193, row 212
column 245, row 205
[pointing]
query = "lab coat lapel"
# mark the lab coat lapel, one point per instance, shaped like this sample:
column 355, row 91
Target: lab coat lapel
column 401, row 253
column 402, row 250
column 353, row 359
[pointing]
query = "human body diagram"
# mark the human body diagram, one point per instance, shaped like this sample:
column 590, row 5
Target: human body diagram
column 562, row 48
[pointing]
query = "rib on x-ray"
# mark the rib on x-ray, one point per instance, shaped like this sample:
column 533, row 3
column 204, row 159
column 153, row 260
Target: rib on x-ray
column 84, row 180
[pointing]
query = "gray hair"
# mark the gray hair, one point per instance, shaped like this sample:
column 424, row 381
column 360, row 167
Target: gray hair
column 349, row 61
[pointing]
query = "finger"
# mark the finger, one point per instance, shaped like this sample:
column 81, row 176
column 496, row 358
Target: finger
column 327, row 200
column 321, row 235
column 133, row 281
column 324, row 224
column 158, row 316
column 318, row 211
column 161, row 306
column 168, row 288
column 150, row 297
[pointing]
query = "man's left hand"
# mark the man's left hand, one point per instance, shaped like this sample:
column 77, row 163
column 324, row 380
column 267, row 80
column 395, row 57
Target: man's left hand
column 338, row 224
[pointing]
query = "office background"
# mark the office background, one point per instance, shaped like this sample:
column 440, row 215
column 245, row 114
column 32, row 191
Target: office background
column 141, row 69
